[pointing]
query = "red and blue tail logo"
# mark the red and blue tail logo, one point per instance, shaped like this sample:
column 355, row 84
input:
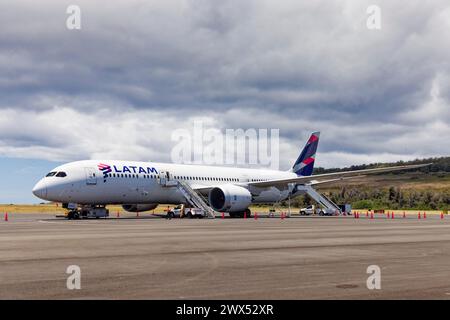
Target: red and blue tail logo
column 305, row 163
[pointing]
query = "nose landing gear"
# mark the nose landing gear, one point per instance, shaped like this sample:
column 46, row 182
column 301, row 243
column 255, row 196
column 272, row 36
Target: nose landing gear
column 73, row 215
column 88, row 211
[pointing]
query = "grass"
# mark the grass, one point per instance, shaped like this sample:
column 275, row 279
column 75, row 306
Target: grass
column 409, row 181
column 56, row 209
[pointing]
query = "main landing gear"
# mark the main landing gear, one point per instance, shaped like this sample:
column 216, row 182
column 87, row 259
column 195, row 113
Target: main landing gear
column 246, row 213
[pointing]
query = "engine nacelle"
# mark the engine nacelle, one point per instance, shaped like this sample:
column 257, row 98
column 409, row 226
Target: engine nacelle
column 139, row 207
column 230, row 198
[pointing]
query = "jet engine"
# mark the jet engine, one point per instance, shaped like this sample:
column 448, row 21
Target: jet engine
column 139, row 207
column 230, row 198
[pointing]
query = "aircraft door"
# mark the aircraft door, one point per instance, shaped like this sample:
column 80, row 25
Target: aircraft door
column 91, row 178
column 164, row 177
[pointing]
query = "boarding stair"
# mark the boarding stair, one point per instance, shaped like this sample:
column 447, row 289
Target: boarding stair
column 319, row 198
column 195, row 199
column 191, row 196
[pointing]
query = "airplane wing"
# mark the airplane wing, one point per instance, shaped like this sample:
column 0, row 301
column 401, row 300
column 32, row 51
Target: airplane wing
column 330, row 181
column 203, row 189
column 335, row 176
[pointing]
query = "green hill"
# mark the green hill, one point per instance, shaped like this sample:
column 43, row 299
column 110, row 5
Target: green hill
column 441, row 164
column 426, row 188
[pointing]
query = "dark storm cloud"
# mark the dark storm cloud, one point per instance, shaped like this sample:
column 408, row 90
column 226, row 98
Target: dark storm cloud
column 297, row 66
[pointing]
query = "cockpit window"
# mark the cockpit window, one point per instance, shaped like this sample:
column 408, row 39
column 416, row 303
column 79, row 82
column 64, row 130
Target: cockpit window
column 61, row 174
column 51, row 174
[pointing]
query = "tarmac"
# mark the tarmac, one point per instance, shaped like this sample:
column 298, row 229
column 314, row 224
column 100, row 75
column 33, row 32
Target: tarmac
column 268, row 258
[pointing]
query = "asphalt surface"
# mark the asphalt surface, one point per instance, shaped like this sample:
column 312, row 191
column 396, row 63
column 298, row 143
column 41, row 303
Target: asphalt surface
column 270, row 258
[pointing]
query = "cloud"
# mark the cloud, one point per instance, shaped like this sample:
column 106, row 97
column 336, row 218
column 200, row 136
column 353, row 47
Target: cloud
column 139, row 69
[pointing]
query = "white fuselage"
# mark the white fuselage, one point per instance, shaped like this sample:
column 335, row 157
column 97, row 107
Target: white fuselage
column 131, row 182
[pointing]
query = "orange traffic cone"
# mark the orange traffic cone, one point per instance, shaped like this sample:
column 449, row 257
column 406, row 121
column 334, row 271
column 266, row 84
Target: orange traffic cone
column 256, row 215
column 282, row 216
column 137, row 213
column 442, row 215
column 118, row 214
column 371, row 214
column 388, row 214
column 223, row 215
column 392, row 215
column 404, row 214
column 367, row 214
column 424, row 215
column 245, row 214
column 6, row 216
column 418, row 215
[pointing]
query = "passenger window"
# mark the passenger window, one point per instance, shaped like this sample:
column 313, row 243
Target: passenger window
column 61, row 174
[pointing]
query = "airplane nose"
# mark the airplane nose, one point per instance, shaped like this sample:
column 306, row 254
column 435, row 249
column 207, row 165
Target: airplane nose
column 40, row 190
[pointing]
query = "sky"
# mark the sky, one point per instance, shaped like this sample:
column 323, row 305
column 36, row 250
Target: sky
column 137, row 70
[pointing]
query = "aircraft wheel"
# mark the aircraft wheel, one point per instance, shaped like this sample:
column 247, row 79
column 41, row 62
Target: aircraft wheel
column 247, row 213
column 189, row 215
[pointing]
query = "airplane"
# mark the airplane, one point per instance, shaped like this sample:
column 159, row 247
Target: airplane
column 140, row 186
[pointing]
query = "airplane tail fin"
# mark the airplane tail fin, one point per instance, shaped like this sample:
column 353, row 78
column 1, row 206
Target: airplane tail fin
column 305, row 163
